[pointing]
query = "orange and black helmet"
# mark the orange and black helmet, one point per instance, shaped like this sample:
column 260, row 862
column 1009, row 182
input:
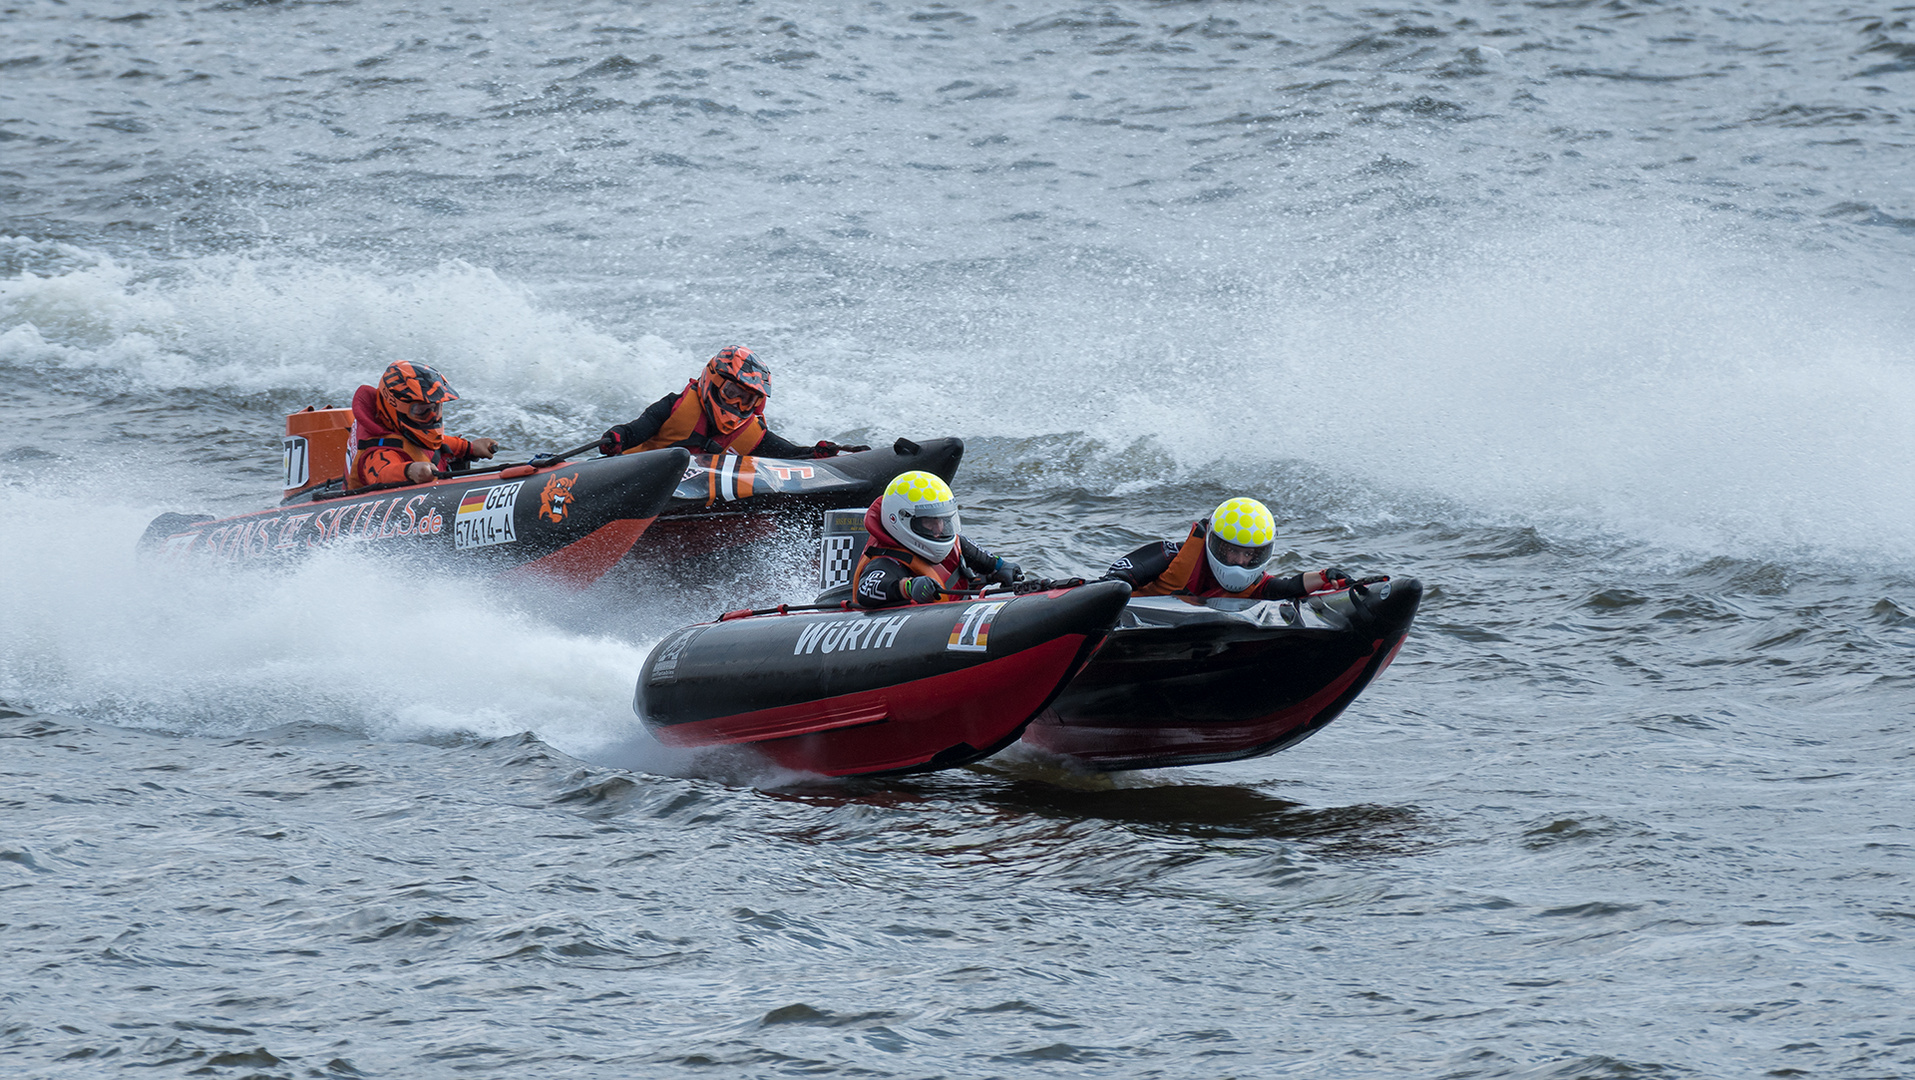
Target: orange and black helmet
column 734, row 387
column 406, row 386
column 408, row 382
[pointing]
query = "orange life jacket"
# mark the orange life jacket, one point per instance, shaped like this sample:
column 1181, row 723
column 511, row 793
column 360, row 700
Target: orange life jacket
column 1189, row 573
column 688, row 419
column 880, row 545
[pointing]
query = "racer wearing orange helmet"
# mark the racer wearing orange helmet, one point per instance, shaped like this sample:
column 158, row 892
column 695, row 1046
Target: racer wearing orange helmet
column 721, row 411
column 1224, row 555
column 914, row 547
column 398, row 433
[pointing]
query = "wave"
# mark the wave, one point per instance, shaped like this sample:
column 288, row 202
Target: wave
column 338, row 641
column 1661, row 383
column 294, row 332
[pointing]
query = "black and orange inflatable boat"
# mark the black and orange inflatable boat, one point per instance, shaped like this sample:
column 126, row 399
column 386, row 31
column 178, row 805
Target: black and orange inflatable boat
column 547, row 519
column 852, row 692
column 720, row 485
column 724, row 501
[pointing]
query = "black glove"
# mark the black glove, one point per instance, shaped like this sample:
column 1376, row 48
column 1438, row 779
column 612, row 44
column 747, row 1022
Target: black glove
column 612, row 443
column 1337, row 579
column 827, row 448
column 1004, row 572
column 921, row 590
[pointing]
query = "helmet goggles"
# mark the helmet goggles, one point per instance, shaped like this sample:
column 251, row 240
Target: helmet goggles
column 738, row 398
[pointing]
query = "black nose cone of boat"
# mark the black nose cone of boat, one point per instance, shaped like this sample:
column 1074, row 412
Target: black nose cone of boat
column 1388, row 614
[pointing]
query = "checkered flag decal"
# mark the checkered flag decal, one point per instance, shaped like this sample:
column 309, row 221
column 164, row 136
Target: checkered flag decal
column 839, row 547
column 837, row 561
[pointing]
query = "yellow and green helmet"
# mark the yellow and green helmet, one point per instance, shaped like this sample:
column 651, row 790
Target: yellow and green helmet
column 1242, row 534
column 920, row 512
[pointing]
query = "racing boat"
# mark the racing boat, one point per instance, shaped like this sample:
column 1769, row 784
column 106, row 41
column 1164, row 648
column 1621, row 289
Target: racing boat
column 1184, row 682
column 854, row 692
column 1191, row 682
column 723, row 500
column 546, row 519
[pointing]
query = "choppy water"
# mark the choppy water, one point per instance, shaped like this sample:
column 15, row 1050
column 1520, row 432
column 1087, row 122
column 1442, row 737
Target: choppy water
column 1594, row 316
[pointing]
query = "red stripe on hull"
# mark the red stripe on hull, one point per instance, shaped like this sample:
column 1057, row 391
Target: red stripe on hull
column 902, row 726
column 1097, row 744
column 586, row 559
column 1394, row 649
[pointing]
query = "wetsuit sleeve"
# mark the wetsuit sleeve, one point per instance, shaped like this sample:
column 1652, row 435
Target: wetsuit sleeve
column 385, row 465
column 456, row 448
column 1146, row 564
column 881, row 584
column 976, row 560
column 774, row 445
column 1282, row 588
column 648, row 422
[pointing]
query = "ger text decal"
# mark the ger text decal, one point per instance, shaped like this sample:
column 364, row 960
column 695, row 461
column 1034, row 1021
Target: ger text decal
column 485, row 517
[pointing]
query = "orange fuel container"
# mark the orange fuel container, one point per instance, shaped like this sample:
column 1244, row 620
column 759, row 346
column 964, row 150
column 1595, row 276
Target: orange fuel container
column 318, row 447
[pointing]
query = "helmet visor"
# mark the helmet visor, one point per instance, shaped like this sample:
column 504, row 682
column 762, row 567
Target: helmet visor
column 1229, row 554
column 940, row 528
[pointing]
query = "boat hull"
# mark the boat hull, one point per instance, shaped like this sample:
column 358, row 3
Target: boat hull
column 567, row 523
column 849, row 693
column 1181, row 683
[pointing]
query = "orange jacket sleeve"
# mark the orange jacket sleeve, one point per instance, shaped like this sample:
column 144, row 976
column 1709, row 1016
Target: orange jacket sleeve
column 456, row 448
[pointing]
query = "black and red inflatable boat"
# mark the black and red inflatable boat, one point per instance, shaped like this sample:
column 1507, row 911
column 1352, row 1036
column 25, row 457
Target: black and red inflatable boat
column 565, row 522
column 1185, row 682
column 849, row 693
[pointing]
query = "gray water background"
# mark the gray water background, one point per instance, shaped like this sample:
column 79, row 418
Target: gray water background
column 1593, row 316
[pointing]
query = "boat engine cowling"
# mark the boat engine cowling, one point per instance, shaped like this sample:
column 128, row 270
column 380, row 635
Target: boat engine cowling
column 317, row 447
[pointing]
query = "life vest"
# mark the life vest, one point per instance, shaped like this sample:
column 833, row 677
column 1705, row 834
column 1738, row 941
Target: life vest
column 368, row 434
column 688, row 426
column 880, row 545
column 1189, row 573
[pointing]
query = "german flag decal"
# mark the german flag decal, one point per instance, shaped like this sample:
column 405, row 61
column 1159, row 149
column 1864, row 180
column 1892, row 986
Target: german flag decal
column 973, row 630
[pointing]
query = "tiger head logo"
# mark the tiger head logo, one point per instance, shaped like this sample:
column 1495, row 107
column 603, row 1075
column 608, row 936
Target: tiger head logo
column 556, row 499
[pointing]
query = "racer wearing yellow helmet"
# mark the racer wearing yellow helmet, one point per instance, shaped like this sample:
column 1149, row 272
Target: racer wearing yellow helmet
column 720, row 411
column 1224, row 555
column 398, row 433
column 915, row 547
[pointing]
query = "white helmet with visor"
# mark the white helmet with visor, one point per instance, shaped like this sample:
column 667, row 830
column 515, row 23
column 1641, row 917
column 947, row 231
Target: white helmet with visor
column 920, row 512
column 1242, row 533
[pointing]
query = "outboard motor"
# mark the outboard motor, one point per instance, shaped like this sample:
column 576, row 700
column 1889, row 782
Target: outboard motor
column 318, row 447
